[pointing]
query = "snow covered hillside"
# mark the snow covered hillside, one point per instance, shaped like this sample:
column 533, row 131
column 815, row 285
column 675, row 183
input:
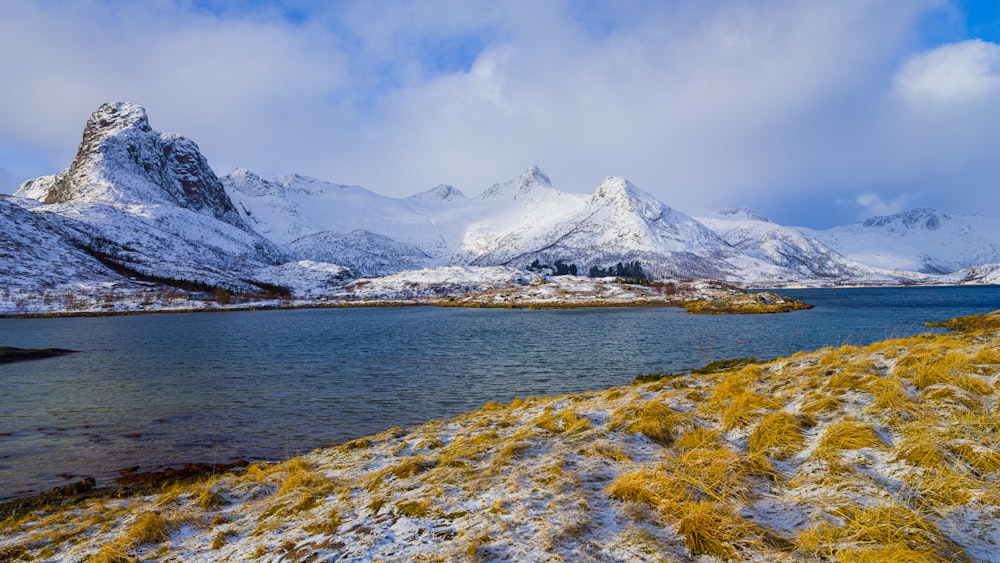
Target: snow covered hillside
column 35, row 252
column 147, row 203
column 512, row 223
column 796, row 250
column 923, row 240
column 138, row 203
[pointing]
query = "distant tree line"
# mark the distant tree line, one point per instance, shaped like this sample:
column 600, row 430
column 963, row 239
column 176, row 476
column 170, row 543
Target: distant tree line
column 628, row 272
column 559, row 268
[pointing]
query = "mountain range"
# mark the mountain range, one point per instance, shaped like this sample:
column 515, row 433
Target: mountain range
column 138, row 206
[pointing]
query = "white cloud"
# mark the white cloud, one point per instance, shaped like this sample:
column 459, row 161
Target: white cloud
column 703, row 104
column 956, row 72
column 874, row 204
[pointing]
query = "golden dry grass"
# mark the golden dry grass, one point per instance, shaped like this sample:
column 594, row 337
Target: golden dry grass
column 699, row 437
column 413, row 508
column 890, row 395
column 714, row 529
column 981, row 460
column 654, row 419
column 818, row 403
column 149, row 528
column 847, row 435
column 565, row 421
column 208, row 499
column 973, row 323
column 745, row 408
column 638, row 486
column 778, row 434
column 889, row 554
column 734, row 384
column 114, row 552
column 922, row 453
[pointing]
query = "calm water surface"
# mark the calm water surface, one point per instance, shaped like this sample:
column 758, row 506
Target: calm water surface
column 157, row 390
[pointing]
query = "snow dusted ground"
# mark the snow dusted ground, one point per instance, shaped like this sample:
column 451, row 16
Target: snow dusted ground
column 319, row 284
column 879, row 453
column 112, row 298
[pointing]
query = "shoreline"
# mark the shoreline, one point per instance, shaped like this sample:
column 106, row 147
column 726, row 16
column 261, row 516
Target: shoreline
column 467, row 302
column 806, row 443
column 343, row 305
column 129, row 483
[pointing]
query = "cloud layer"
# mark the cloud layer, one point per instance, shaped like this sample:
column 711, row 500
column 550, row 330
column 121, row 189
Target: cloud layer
column 809, row 112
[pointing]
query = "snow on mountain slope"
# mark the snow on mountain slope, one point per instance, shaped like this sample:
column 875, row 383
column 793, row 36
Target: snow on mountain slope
column 362, row 251
column 291, row 207
column 517, row 217
column 923, row 240
column 34, row 252
column 148, row 201
column 165, row 241
column 123, row 161
column 303, row 214
column 325, row 221
column 511, row 223
column 621, row 223
column 790, row 248
column 987, row 274
column 305, row 278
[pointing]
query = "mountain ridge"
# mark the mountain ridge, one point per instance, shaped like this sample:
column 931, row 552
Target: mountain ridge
column 150, row 202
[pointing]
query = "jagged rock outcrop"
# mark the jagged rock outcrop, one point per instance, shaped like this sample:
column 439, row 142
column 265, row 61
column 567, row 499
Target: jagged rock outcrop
column 148, row 204
column 122, row 160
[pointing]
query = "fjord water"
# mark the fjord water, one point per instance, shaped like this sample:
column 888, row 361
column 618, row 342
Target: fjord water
column 158, row 390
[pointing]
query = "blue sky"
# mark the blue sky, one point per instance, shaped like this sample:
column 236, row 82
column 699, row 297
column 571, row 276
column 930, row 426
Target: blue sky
column 811, row 113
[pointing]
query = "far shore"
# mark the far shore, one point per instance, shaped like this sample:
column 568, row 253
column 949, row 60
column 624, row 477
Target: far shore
column 410, row 302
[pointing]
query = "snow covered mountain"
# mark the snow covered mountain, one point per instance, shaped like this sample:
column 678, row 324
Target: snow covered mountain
column 922, row 240
column 147, row 203
column 621, row 223
column 794, row 249
column 36, row 253
column 140, row 203
column 512, row 223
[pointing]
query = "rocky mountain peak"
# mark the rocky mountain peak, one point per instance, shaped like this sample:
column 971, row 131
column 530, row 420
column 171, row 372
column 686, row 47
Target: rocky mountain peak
column 122, row 160
column 922, row 218
column 534, row 175
column 614, row 187
column 115, row 116
column 250, row 183
column 443, row 192
column 617, row 191
column 525, row 183
column 620, row 194
column 742, row 214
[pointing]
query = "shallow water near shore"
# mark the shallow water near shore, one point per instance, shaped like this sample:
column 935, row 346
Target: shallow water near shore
column 166, row 389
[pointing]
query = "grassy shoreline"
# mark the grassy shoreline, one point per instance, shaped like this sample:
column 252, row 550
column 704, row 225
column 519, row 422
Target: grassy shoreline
column 886, row 452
